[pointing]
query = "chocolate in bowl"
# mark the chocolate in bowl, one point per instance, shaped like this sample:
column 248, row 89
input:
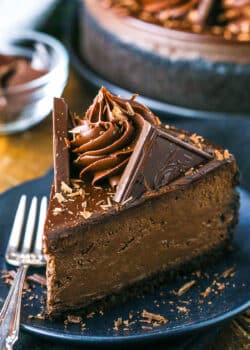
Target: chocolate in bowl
column 199, row 71
column 15, row 71
column 34, row 70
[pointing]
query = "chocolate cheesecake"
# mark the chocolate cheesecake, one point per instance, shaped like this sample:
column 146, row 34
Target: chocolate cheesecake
column 182, row 52
column 132, row 201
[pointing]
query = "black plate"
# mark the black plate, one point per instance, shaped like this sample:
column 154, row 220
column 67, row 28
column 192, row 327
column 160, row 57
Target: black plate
column 95, row 80
column 214, row 309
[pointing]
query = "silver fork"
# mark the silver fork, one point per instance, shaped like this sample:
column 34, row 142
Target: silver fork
column 24, row 257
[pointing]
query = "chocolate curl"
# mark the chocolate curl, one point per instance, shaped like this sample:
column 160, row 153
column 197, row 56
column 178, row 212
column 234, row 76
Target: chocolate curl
column 203, row 12
column 60, row 149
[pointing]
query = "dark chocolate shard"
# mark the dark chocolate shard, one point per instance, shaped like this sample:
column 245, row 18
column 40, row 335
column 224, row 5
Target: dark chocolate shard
column 158, row 159
column 60, row 149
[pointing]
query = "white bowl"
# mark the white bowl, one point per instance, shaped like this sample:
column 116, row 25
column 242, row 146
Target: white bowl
column 29, row 103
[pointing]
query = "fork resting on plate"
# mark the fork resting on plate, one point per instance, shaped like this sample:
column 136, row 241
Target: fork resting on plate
column 23, row 258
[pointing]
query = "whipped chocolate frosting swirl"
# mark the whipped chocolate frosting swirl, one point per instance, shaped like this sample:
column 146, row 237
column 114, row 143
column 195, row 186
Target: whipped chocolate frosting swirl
column 104, row 139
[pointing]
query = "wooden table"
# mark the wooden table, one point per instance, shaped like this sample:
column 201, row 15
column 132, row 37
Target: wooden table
column 29, row 155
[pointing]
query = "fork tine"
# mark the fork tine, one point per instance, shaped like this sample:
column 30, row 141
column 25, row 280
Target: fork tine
column 16, row 230
column 39, row 234
column 30, row 225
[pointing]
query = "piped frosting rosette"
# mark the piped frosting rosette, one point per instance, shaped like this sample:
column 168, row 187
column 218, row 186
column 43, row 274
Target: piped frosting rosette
column 104, row 139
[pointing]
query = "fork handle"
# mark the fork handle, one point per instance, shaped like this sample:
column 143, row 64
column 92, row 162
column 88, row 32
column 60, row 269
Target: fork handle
column 10, row 313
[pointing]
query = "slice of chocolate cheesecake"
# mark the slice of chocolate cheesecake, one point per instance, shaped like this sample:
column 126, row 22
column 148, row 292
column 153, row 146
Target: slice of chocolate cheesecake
column 132, row 200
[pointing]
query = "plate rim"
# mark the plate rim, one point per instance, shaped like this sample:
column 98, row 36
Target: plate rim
column 155, row 335
column 163, row 334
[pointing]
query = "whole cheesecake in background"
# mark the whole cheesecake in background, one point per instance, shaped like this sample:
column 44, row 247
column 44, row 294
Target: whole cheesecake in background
column 183, row 52
column 132, row 201
column 229, row 19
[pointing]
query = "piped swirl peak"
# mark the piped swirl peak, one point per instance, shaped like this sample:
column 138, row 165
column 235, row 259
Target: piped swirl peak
column 104, row 139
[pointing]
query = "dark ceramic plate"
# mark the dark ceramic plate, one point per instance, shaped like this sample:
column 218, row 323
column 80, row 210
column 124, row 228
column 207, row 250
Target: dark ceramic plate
column 185, row 314
column 96, row 81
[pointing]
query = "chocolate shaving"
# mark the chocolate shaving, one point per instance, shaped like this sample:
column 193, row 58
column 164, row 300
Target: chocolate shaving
column 185, row 288
column 8, row 277
column 149, row 316
column 38, row 279
column 203, row 11
column 74, row 319
column 206, row 293
column 229, row 19
column 228, row 273
column 183, row 309
column 117, row 323
column 86, row 214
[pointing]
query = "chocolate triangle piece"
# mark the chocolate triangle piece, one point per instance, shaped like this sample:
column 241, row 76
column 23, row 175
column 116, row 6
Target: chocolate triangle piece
column 60, row 149
column 158, row 159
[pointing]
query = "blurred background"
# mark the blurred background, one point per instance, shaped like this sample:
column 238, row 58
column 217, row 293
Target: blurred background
column 60, row 19
column 26, row 152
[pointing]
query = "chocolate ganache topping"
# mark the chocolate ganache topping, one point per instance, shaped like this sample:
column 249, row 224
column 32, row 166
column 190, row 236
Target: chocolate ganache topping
column 104, row 139
column 228, row 18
